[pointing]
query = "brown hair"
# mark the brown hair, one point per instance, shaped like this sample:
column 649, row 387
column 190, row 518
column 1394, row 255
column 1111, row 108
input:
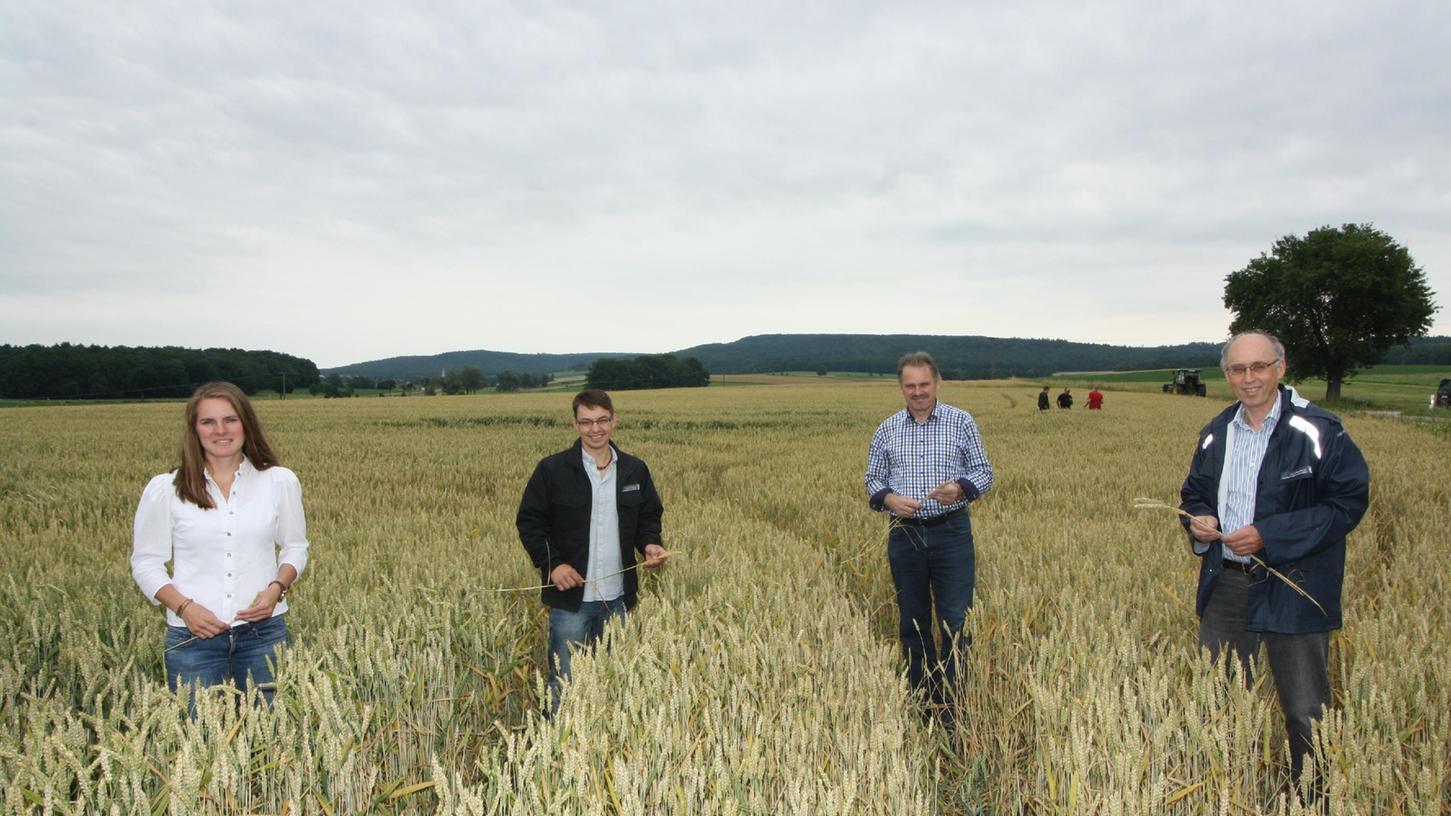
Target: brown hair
column 594, row 398
column 918, row 358
column 190, row 479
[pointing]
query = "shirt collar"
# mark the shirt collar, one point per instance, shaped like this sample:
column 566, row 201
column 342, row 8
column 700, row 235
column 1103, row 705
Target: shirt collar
column 589, row 458
column 242, row 469
column 1270, row 419
column 907, row 414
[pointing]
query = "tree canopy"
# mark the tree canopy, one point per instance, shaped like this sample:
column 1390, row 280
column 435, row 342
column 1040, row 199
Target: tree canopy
column 1338, row 298
column 516, row 380
column 647, row 371
column 68, row 371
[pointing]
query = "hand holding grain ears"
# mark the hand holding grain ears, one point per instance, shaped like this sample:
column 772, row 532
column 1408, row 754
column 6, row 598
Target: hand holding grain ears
column 201, row 622
column 947, row 493
column 901, row 505
column 565, row 577
column 1204, row 528
column 262, row 605
column 655, row 555
column 1245, row 541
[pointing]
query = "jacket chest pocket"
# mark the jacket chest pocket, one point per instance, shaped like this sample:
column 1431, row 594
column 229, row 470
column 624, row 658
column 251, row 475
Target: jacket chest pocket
column 570, row 508
column 1294, row 487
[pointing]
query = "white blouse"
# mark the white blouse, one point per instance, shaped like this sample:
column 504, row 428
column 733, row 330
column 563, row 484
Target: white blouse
column 223, row 557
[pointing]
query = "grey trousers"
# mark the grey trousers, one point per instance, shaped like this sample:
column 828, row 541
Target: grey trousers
column 1300, row 664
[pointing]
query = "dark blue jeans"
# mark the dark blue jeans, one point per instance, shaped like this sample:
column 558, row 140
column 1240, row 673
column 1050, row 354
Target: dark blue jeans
column 933, row 569
column 1300, row 663
column 572, row 630
column 245, row 654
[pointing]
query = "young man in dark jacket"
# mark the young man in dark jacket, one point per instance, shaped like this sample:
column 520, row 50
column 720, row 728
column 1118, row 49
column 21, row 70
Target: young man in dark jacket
column 1275, row 481
column 586, row 511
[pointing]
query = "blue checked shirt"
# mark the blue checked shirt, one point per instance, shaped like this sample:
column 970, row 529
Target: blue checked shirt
column 912, row 459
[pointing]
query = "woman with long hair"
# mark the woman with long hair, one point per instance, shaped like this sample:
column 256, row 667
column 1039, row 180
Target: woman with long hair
column 231, row 523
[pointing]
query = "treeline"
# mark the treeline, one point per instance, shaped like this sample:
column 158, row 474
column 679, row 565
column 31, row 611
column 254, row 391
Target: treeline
column 1421, row 351
column 68, row 371
column 466, row 380
column 648, row 371
column 516, row 380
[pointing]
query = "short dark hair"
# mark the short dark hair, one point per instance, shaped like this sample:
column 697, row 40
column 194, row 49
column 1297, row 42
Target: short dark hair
column 918, row 358
column 593, row 398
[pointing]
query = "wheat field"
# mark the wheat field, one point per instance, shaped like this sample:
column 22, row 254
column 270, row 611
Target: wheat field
column 759, row 674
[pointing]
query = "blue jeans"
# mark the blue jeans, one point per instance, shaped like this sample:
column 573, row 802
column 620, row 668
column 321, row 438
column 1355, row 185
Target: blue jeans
column 571, row 630
column 933, row 569
column 244, row 654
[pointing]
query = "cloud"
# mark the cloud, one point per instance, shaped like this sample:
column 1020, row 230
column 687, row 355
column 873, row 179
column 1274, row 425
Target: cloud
column 502, row 175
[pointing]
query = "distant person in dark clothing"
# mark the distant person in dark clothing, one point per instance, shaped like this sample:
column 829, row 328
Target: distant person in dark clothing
column 1065, row 400
column 1043, row 399
column 1095, row 399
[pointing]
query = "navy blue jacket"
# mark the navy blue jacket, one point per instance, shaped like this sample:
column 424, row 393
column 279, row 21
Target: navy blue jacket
column 1313, row 488
column 554, row 519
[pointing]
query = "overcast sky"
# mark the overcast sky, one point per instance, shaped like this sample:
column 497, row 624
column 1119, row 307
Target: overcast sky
column 352, row 180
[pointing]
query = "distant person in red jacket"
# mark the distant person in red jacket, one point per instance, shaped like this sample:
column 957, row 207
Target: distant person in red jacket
column 1095, row 399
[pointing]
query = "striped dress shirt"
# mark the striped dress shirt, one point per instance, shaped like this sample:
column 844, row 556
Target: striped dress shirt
column 1238, row 482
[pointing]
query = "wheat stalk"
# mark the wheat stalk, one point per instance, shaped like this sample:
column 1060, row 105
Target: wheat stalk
column 667, row 555
column 1142, row 503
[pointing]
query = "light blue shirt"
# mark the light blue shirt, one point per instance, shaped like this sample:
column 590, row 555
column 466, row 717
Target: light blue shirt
column 1244, row 452
column 604, row 533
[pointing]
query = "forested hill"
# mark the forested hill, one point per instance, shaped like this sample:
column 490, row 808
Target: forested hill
column 420, row 367
column 959, row 356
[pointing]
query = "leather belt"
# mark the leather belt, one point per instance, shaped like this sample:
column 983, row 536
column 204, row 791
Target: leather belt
column 909, row 521
column 1239, row 566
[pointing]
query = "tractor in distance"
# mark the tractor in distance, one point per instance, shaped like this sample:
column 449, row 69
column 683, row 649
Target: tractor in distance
column 1186, row 381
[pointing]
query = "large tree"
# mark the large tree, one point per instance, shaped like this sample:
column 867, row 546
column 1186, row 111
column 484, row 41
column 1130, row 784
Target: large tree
column 1337, row 298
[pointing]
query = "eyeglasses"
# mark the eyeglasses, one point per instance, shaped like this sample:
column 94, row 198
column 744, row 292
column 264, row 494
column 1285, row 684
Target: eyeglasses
column 602, row 422
column 1255, row 368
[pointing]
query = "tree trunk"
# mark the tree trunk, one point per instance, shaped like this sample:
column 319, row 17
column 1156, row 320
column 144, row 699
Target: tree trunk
column 1334, row 376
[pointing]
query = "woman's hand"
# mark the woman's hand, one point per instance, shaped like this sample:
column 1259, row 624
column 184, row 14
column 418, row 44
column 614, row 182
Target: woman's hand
column 261, row 608
column 201, row 622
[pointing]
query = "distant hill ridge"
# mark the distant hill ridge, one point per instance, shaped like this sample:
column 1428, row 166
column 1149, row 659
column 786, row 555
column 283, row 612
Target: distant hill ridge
column 959, row 356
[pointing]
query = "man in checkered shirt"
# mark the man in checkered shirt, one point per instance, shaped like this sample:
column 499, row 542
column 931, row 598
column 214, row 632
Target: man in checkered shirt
column 925, row 465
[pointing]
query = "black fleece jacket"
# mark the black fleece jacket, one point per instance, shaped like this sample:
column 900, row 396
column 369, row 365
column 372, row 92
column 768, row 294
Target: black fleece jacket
column 554, row 519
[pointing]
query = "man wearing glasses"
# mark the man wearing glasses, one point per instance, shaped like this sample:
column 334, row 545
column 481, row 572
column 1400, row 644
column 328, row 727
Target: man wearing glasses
column 1276, row 483
column 585, row 512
